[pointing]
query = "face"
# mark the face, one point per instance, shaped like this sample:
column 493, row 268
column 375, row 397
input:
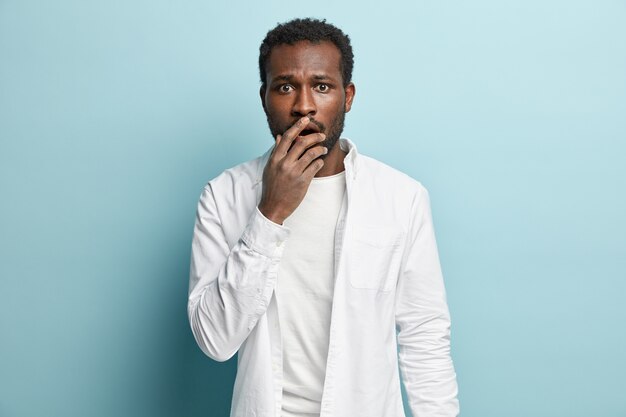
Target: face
column 305, row 79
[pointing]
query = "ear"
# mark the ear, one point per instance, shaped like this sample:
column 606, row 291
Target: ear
column 350, row 90
column 262, row 94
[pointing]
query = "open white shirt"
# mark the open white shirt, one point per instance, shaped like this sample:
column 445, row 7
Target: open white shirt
column 389, row 295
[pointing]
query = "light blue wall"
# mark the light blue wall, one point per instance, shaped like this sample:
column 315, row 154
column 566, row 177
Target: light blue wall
column 114, row 114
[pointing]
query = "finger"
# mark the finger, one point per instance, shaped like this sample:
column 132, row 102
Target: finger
column 310, row 155
column 291, row 133
column 276, row 142
column 274, row 154
column 313, row 169
column 302, row 143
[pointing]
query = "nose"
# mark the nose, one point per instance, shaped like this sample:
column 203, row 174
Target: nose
column 304, row 104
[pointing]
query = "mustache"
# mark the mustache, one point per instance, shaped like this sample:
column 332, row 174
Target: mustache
column 320, row 125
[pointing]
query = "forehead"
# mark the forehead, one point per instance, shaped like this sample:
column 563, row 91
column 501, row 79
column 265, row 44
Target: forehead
column 304, row 58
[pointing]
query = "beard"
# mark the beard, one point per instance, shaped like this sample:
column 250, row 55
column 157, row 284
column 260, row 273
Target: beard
column 332, row 133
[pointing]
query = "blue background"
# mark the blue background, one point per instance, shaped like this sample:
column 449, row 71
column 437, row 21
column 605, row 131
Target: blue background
column 113, row 115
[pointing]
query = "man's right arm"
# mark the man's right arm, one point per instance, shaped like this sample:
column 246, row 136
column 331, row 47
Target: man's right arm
column 230, row 289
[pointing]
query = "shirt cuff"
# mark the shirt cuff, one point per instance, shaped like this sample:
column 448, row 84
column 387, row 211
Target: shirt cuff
column 265, row 236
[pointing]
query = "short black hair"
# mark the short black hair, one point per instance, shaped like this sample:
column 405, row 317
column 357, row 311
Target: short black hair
column 312, row 30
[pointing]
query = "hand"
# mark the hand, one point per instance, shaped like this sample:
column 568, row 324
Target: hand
column 291, row 167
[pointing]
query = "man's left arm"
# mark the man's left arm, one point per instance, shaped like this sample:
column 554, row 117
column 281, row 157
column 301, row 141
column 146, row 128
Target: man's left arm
column 423, row 321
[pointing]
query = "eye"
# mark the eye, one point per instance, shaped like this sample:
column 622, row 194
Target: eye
column 323, row 88
column 285, row 88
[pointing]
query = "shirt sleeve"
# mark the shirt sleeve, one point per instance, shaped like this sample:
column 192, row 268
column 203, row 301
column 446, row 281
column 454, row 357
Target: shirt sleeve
column 423, row 321
column 230, row 288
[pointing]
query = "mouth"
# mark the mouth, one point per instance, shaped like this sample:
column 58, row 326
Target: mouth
column 310, row 129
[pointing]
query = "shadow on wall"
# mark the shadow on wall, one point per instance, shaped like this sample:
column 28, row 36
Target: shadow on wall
column 192, row 384
column 208, row 386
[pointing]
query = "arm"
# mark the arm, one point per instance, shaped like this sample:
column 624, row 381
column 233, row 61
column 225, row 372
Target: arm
column 230, row 289
column 423, row 321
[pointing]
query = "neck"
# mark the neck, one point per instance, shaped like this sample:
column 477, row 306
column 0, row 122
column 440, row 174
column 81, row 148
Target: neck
column 333, row 163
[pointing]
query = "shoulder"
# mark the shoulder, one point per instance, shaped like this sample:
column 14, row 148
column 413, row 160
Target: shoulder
column 381, row 173
column 244, row 175
column 232, row 195
column 235, row 187
column 386, row 191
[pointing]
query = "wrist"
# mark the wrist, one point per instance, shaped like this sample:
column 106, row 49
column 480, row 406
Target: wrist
column 271, row 215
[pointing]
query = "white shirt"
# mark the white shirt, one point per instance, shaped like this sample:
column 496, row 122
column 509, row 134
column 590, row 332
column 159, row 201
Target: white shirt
column 304, row 294
column 389, row 295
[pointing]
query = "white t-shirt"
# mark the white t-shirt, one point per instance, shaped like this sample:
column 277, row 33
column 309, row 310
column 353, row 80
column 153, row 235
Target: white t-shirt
column 304, row 293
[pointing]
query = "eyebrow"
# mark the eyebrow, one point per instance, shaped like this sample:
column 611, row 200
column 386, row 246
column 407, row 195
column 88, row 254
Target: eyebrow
column 282, row 78
column 290, row 77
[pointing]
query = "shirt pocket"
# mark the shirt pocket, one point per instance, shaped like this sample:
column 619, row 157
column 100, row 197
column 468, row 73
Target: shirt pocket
column 376, row 258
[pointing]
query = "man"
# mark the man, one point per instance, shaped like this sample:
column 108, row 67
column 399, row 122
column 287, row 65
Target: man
column 307, row 260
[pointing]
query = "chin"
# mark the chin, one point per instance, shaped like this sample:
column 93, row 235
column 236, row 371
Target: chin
column 329, row 143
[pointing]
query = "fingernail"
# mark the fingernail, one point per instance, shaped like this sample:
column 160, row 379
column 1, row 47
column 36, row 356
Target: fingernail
column 325, row 150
